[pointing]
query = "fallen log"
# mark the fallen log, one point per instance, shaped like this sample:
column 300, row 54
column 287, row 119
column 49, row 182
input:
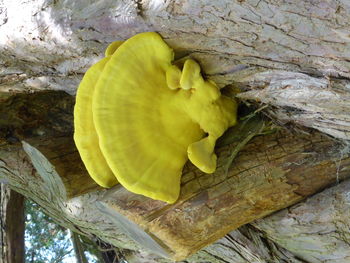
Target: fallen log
column 273, row 171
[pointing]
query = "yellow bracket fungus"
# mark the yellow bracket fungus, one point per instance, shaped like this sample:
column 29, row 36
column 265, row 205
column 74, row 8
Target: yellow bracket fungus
column 147, row 117
column 85, row 136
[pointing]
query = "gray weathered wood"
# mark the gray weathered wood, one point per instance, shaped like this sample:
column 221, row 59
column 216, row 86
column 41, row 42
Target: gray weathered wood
column 49, row 44
column 316, row 230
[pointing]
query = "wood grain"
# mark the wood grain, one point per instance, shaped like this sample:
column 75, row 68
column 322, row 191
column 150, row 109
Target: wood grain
column 272, row 172
column 45, row 120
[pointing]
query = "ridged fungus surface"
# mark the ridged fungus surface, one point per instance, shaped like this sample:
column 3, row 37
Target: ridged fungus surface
column 139, row 118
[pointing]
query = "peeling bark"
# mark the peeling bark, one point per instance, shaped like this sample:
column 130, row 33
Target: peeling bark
column 318, row 103
column 316, row 230
column 46, row 120
column 264, row 40
column 272, row 172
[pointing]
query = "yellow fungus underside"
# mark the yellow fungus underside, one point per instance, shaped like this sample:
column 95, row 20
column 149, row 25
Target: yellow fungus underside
column 85, row 135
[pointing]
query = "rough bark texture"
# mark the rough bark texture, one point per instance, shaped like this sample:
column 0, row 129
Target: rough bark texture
column 49, row 44
column 290, row 163
column 12, row 222
column 84, row 216
column 316, row 230
column 47, row 115
column 272, row 172
column 293, row 56
column 288, row 96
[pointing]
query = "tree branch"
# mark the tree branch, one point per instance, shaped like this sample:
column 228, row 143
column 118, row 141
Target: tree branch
column 78, row 249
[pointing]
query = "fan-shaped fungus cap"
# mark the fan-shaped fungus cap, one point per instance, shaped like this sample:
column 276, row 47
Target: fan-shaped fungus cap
column 85, row 135
column 147, row 114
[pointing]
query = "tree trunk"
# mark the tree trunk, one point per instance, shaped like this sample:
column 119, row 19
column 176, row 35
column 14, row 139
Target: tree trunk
column 12, row 222
column 84, row 215
column 78, row 248
column 291, row 56
column 304, row 53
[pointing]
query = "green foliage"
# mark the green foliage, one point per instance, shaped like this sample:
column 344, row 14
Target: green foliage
column 91, row 250
column 46, row 242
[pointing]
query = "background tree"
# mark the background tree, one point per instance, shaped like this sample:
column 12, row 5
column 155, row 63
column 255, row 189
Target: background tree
column 46, row 242
column 12, row 225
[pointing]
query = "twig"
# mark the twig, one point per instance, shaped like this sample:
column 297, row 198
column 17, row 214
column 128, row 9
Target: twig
column 239, row 147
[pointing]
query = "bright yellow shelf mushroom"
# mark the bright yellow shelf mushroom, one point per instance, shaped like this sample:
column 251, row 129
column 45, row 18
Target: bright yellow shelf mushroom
column 85, row 135
column 151, row 116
